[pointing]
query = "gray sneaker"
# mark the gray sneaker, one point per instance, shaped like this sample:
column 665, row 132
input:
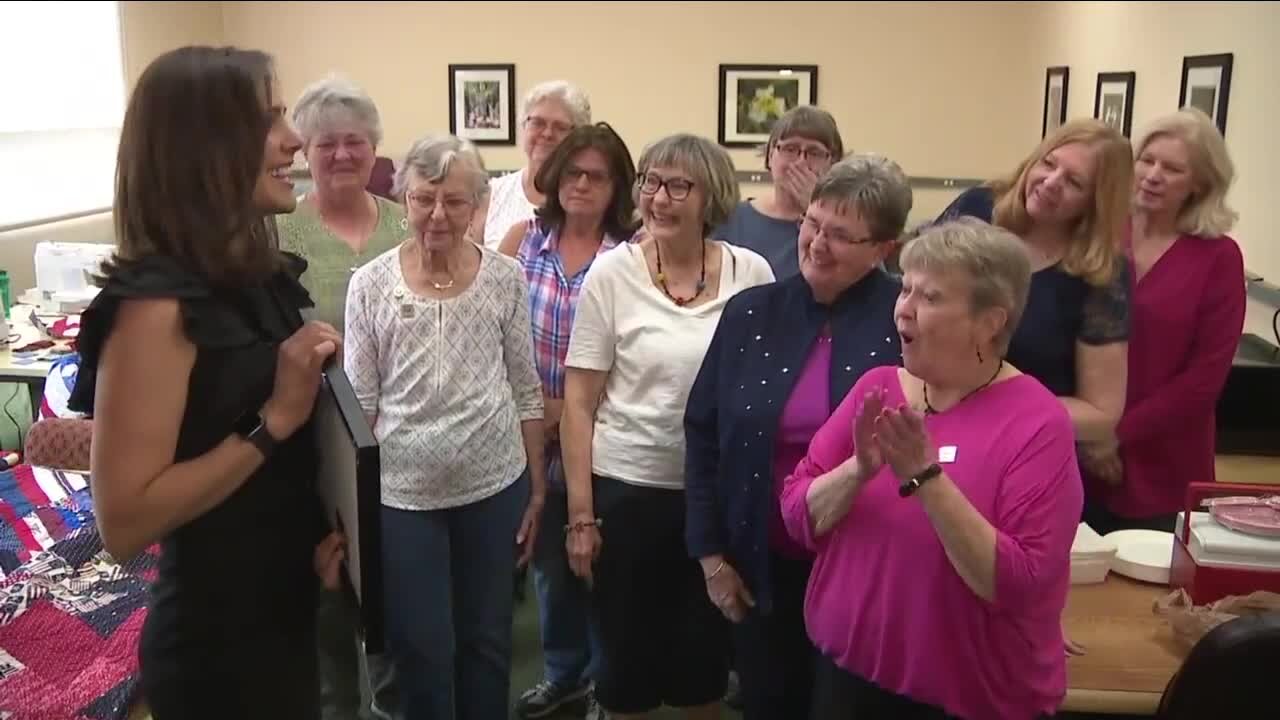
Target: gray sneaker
column 546, row 698
column 594, row 711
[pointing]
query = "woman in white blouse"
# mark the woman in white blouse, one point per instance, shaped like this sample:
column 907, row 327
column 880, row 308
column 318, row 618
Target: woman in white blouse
column 645, row 317
column 550, row 111
column 440, row 353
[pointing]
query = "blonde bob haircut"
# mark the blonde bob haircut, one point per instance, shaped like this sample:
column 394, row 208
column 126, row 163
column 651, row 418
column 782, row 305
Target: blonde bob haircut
column 1092, row 254
column 1206, row 212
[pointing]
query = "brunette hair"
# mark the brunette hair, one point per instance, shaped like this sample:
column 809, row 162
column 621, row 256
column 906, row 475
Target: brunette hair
column 191, row 152
column 620, row 215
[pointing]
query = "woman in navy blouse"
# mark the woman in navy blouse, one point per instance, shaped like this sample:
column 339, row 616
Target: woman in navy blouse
column 1069, row 201
column 782, row 357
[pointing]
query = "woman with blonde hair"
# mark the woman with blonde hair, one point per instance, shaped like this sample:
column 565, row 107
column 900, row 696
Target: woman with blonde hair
column 1188, row 313
column 1068, row 201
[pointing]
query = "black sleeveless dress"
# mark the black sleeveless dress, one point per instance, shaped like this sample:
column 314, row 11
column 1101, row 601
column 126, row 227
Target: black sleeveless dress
column 231, row 627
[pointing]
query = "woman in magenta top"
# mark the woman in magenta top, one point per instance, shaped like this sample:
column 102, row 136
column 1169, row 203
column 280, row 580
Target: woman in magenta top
column 941, row 500
column 1188, row 313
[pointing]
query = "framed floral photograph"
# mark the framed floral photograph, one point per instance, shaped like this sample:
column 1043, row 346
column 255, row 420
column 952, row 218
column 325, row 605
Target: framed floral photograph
column 1055, row 98
column 482, row 103
column 753, row 97
column 1206, row 85
column 1113, row 100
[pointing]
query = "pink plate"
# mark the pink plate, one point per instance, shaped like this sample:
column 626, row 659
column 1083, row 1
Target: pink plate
column 1258, row 519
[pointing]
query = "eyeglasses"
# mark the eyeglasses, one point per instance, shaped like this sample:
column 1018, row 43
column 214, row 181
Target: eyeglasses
column 537, row 124
column 791, row 152
column 594, row 177
column 452, row 205
column 677, row 188
column 835, row 236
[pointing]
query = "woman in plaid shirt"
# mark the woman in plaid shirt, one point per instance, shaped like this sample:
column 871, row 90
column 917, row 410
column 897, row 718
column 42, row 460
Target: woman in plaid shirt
column 589, row 209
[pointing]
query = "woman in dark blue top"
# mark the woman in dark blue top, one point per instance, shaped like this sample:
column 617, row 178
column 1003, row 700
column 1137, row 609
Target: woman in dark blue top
column 783, row 357
column 1069, row 201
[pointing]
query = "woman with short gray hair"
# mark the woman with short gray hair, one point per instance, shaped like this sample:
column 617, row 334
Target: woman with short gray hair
column 440, row 353
column 783, row 356
column 339, row 225
column 940, row 501
column 549, row 111
column 645, row 316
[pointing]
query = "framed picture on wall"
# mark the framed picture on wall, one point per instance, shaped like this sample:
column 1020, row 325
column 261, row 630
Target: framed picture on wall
column 753, row 97
column 482, row 103
column 1113, row 100
column 1055, row 98
column 1206, row 85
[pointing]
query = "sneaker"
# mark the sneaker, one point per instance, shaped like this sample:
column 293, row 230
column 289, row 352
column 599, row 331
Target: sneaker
column 594, row 711
column 733, row 697
column 546, row 698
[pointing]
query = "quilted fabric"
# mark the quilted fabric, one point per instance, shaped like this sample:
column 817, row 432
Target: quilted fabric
column 59, row 443
column 70, row 616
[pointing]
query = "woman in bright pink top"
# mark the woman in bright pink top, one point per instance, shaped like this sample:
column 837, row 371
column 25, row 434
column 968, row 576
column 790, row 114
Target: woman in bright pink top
column 1187, row 312
column 941, row 500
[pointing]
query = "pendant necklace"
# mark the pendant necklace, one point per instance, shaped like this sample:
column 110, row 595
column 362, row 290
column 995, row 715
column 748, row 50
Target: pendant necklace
column 662, row 278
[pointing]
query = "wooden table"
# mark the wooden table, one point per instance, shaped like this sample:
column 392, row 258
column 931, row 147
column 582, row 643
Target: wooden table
column 1130, row 652
column 1256, row 469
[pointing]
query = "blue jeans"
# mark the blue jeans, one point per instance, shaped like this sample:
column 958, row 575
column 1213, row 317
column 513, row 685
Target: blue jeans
column 570, row 647
column 449, row 600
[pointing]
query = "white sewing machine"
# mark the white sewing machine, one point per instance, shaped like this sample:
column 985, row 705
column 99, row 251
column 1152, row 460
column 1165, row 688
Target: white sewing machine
column 63, row 272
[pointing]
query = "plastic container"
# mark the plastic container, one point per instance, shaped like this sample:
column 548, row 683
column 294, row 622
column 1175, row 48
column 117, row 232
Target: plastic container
column 1091, row 557
column 1210, row 561
column 5, row 297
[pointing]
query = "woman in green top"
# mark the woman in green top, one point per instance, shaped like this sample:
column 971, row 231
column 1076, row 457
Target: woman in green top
column 338, row 225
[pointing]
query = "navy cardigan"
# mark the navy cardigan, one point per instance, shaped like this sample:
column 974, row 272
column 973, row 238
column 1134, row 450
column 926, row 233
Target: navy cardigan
column 760, row 345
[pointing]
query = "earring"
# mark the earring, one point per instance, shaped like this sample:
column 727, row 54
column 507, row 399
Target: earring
column 404, row 223
column 979, row 354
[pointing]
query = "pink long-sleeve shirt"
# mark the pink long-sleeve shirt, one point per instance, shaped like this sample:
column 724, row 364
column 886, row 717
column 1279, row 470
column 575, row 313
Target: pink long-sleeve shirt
column 1187, row 316
column 885, row 603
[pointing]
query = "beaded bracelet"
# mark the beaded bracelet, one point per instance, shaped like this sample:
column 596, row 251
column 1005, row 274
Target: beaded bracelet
column 583, row 525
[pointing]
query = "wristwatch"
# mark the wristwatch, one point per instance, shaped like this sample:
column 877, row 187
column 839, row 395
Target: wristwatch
column 912, row 484
column 252, row 427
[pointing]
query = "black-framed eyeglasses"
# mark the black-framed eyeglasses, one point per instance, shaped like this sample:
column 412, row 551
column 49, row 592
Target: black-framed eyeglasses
column 810, row 152
column 835, row 236
column 677, row 188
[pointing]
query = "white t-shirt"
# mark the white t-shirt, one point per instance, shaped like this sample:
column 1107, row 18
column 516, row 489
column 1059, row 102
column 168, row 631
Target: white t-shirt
column 652, row 350
column 508, row 205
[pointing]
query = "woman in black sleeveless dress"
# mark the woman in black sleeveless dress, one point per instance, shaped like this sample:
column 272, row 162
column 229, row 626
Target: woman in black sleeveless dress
column 201, row 378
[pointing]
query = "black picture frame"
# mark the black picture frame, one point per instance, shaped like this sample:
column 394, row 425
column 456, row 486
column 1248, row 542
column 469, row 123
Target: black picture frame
column 1104, row 102
column 1212, row 97
column 1057, row 78
column 482, row 102
column 786, row 86
column 350, row 488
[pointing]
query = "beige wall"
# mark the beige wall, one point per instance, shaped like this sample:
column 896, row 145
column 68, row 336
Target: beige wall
column 151, row 28
column 1151, row 40
column 916, row 81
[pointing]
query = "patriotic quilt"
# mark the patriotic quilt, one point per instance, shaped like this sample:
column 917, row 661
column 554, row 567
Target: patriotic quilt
column 70, row 616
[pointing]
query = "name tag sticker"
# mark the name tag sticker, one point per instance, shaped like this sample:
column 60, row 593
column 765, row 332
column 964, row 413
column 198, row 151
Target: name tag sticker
column 947, row 454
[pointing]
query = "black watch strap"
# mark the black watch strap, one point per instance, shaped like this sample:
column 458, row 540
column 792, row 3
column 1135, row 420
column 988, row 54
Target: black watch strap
column 253, row 428
column 912, row 484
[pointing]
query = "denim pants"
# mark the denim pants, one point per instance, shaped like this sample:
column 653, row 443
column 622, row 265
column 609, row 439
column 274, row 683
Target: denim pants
column 570, row 646
column 449, row 600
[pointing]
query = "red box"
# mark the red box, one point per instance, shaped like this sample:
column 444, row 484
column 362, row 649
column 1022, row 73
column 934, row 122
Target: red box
column 1207, row 583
